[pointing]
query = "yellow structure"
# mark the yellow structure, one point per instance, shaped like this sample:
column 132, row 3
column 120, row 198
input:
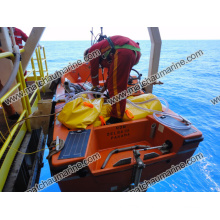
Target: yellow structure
column 27, row 110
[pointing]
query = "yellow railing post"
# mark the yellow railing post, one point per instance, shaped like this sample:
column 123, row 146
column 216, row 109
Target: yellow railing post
column 25, row 99
column 35, row 77
column 45, row 59
column 40, row 66
column 40, row 61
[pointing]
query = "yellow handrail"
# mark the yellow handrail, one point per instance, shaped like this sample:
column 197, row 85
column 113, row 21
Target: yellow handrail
column 5, row 145
column 4, row 97
column 28, row 74
column 11, row 155
column 6, row 54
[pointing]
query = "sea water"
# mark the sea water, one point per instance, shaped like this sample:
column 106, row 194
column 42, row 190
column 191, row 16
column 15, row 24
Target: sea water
column 188, row 91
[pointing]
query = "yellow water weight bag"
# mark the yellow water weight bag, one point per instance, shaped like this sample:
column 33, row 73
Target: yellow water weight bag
column 135, row 113
column 105, row 113
column 80, row 113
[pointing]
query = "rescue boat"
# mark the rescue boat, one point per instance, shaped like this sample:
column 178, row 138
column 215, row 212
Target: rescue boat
column 85, row 153
column 130, row 152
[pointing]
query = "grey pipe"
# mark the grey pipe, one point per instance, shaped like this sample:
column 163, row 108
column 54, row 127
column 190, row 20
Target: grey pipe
column 13, row 74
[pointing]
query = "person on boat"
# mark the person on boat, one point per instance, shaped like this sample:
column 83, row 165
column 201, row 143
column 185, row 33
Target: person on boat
column 119, row 54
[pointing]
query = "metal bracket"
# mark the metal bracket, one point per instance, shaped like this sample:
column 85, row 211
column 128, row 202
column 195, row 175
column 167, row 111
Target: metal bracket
column 139, row 167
